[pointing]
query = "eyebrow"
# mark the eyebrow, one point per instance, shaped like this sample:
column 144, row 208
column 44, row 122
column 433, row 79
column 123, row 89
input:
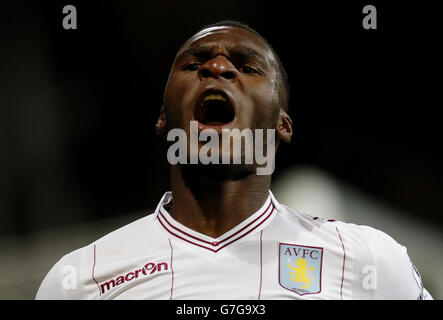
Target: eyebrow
column 239, row 52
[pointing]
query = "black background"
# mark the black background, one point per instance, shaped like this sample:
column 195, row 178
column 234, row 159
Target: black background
column 78, row 107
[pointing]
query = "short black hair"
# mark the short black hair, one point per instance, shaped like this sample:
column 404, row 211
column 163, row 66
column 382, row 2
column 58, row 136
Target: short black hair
column 283, row 76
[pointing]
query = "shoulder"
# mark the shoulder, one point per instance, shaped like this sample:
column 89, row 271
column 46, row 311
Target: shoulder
column 370, row 240
column 127, row 236
column 72, row 277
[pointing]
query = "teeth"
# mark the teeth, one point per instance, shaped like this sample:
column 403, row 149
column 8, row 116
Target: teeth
column 214, row 97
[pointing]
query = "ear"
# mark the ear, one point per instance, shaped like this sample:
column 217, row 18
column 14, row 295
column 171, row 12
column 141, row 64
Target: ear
column 161, row 121
column 284, row 126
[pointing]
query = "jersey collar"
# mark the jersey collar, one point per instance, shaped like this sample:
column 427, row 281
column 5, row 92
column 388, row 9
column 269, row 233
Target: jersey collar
column 251, row 225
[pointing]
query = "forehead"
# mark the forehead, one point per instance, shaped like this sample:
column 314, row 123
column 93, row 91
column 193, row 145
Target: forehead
column 227, row 36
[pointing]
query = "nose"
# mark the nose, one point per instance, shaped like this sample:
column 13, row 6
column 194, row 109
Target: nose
column 218, row 67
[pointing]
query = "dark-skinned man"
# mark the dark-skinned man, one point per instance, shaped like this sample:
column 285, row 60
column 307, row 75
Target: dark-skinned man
column 220, row 233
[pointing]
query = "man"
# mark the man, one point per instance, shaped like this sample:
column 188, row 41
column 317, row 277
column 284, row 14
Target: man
column 220, row 233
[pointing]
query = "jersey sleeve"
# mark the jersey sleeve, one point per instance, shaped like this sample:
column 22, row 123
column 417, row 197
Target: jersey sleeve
column 396, row 276
column 71, row 278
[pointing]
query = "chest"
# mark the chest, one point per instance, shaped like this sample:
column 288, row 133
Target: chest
column 253, row 269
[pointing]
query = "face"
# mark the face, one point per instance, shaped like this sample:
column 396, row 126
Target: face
column 224, row 77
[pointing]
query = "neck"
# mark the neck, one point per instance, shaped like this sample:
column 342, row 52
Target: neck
column 214, row 206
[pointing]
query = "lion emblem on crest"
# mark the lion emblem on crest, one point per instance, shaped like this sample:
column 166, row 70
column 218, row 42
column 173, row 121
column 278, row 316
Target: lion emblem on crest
column 301, row 272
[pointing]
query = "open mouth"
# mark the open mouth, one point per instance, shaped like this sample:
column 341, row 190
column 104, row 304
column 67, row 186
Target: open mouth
column 214, row 109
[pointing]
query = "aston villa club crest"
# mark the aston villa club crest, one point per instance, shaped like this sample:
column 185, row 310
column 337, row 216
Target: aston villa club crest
column 300, row 268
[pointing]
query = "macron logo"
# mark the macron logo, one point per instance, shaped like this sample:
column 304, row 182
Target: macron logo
column 148, row 269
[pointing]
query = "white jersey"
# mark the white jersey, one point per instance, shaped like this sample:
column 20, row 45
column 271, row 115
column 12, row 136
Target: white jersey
column 276, row 253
